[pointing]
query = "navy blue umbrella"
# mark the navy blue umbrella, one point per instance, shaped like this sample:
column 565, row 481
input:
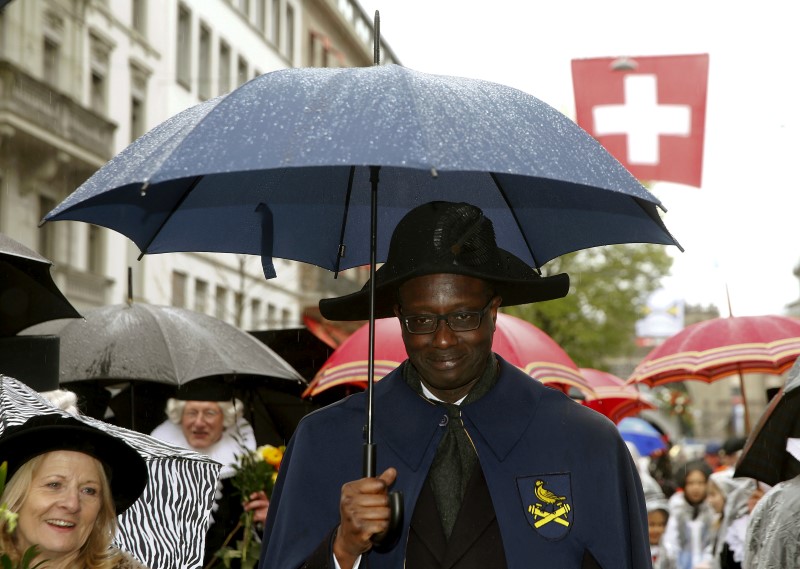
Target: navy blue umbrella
column 280, row 167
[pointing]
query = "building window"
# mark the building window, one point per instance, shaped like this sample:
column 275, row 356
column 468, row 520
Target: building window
column 94, row 250
column 53, row 34
column 99, row 75
column 321, row 52
column 261, row 15
column 2, row 30
column 178, row 289
column 220, row 301
column 241, row 72
column 200, row 295
column 184, row 59
column 138, row 102
column 238, row 303
column 289, row 33
column 204, row 72
column 255, row 314
column 139, row 16
column 285, row 316
column 46, row 235
column 224, row 68
column 275, row 29
column 272, row 312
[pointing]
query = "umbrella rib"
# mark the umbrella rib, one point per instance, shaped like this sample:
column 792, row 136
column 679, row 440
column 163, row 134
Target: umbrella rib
column 175, row 208
column 497, row 183
column 657, row 218
column 340, row 250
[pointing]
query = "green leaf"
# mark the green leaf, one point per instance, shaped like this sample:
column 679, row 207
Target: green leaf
column 3, row 473
column 29, row 556
column 5, row 561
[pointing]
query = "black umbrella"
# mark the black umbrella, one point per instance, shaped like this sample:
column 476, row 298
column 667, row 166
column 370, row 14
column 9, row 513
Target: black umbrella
column 28, row 294
column 147, row 351
column 764, row 456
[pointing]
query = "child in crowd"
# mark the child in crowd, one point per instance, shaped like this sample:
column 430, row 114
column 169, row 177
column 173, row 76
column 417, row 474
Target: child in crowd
column 657, row 516
column 689, row 528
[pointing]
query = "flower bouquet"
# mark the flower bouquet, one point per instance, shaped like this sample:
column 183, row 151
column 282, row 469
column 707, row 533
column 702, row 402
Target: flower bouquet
column 9, row 518
column 256, row 472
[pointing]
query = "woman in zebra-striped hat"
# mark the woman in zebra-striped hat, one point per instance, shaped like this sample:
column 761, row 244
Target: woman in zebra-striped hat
column 67, row 484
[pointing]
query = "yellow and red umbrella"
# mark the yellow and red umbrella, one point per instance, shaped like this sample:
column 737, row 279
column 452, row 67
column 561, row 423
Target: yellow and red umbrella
column 612, row 396
column 722, row 347
column 517, row 341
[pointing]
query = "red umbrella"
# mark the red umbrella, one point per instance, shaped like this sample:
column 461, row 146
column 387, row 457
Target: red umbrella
column 519, row 342
column 718, row 348
column 612, row 396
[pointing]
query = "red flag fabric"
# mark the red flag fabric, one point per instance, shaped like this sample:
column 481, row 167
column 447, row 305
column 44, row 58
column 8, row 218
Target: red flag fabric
column 648, row 112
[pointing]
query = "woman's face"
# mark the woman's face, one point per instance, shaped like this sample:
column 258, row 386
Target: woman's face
column 715, row 498
column 202, row 423
column 62, row 504
column 695, row 487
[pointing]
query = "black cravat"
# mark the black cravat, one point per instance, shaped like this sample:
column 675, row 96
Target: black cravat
column 455, row 458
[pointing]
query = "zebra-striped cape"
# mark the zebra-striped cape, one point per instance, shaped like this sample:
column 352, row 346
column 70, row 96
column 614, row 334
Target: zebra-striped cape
column 166, row 527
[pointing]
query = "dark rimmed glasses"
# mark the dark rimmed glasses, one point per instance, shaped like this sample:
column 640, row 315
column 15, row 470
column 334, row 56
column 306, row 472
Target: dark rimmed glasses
column 459, row 321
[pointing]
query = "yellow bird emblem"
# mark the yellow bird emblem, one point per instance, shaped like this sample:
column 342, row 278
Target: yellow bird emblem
column 546, row 496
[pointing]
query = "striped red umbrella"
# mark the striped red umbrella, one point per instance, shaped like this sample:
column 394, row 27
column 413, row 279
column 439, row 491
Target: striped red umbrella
column 718, row 348
column 612, row 396
column 517, row 341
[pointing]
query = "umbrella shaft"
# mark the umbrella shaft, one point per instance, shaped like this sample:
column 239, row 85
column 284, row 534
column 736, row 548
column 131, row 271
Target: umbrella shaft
column 373, row 254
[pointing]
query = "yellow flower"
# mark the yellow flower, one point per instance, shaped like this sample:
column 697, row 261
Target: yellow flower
column 272, row 455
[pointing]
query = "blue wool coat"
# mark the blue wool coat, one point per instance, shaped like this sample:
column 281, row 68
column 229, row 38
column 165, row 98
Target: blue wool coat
column 561, row 479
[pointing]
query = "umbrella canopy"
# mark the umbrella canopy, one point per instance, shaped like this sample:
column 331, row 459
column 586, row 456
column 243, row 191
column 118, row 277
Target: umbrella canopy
column 161, row 344
column 612, row 397
column 721, row 347
column 166, row 527
column 642, row 434
column 519, row 342
column 764, row 456
column 250, row 171
column 28, row 294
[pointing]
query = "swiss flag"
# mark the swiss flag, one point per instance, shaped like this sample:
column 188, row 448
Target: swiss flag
column 649, row 112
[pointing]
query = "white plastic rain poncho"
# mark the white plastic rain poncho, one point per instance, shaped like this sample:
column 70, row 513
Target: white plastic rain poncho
column 773, row 534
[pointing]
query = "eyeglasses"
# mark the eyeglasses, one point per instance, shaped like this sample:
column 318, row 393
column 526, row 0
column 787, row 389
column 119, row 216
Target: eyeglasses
column 208, row 414
column 459, row 321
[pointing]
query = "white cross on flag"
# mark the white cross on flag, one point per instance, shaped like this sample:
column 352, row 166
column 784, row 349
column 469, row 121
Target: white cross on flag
column 648, row 112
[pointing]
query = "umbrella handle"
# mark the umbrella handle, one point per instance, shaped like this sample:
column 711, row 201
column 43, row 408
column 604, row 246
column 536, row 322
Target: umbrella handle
column 392, row 533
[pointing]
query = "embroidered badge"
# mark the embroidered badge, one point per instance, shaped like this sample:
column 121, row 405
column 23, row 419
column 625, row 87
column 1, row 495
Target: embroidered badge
column 547, row 499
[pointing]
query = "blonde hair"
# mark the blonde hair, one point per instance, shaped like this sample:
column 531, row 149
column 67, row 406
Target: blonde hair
column 96, row 553
column 231, row 411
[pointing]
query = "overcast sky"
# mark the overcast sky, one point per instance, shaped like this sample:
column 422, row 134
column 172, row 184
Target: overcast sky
column 740, row 229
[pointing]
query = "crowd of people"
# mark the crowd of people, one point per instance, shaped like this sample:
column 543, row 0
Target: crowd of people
column 492, row 469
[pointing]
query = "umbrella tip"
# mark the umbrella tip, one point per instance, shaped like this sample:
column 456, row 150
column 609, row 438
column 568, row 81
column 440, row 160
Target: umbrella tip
column 376, row 57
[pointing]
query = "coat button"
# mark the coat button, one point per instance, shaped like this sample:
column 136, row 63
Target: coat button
column 444, row 420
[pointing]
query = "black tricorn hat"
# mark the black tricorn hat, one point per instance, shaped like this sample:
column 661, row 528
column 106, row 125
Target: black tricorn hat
column 446, row 237
column 211, row 388
column 126, row 469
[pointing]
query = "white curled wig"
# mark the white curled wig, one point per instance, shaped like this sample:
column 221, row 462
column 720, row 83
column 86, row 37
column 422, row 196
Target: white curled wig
column 232, row 411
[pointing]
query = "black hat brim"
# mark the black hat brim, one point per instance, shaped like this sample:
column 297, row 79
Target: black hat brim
column 126, row 469
column 512, row 280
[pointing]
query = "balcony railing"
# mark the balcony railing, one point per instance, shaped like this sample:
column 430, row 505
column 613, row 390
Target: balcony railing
column 36, row 103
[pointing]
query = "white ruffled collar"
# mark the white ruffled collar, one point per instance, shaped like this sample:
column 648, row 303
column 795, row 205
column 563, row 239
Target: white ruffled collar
column 224, row 451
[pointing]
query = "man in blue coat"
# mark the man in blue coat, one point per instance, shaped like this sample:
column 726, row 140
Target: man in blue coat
column 495, row 469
